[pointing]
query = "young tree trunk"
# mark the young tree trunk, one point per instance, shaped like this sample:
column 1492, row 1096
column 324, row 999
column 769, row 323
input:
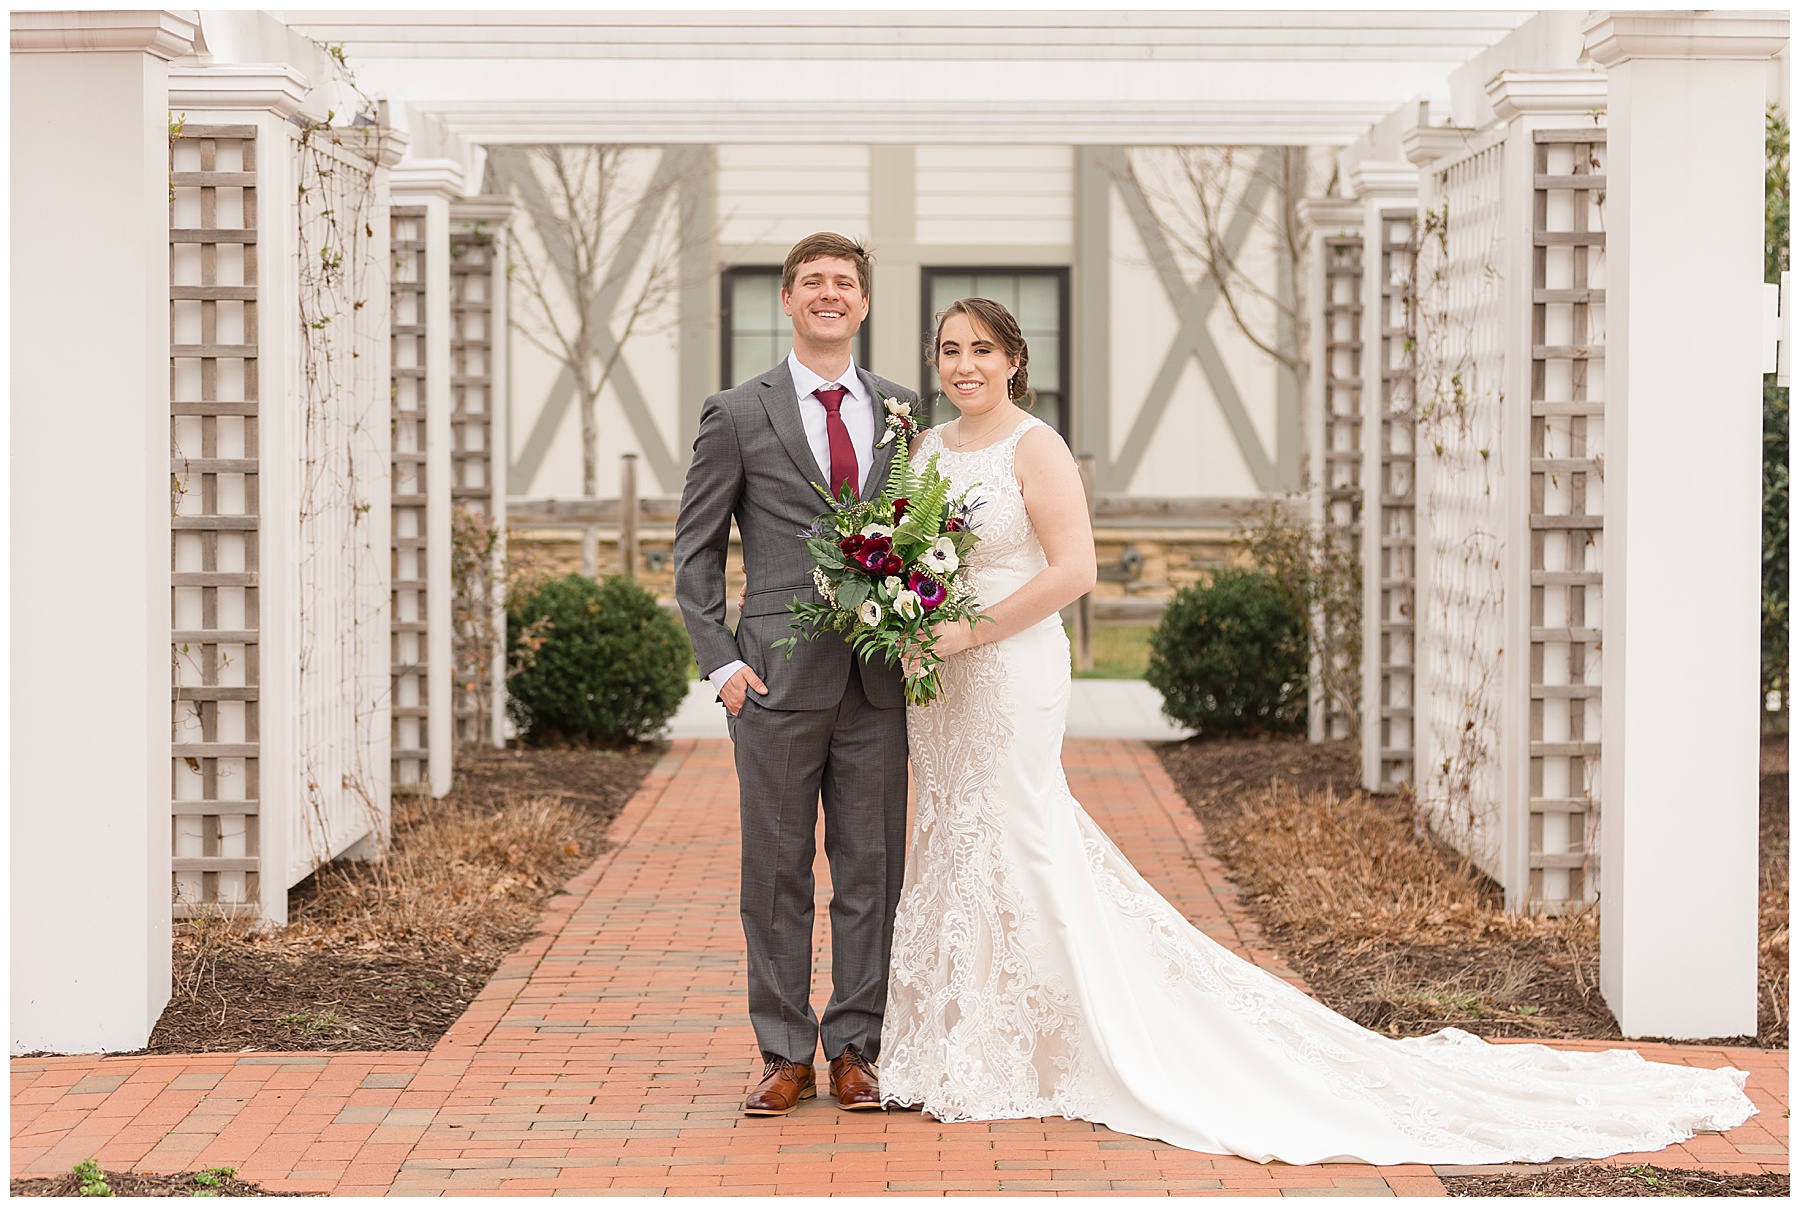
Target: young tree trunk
column 590, row 440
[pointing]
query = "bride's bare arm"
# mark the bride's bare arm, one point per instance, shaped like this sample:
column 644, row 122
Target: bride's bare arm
column 1058, row 509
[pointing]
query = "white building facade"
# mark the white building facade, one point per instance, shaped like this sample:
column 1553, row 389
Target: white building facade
column 1168, row 392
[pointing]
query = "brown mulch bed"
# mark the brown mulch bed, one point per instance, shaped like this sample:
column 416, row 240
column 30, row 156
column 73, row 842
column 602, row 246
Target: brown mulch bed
column 1397, row 931
column 386, row 955
column 148, row 1186
column 1617, row 1181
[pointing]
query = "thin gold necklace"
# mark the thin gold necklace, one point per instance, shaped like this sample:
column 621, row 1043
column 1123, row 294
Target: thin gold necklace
column 961, row 444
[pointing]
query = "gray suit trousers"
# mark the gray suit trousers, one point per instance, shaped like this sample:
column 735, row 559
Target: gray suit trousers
column 852, row 759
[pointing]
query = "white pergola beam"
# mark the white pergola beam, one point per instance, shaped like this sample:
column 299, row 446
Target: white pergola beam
column 936, row 36
column 1311, row 78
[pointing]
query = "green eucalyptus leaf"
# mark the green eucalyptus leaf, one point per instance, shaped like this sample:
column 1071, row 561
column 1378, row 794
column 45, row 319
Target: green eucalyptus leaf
column 852, row 593
column 825, row 552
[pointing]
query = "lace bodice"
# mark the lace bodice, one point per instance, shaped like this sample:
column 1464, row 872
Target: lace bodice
column 1008, row 554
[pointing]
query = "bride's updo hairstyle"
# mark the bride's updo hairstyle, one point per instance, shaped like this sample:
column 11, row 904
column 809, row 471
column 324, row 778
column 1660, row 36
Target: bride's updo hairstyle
column 997, row 323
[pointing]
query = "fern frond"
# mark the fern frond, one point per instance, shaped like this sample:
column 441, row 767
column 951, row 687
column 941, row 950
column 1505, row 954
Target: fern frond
column 935, row 491
column 902, row 481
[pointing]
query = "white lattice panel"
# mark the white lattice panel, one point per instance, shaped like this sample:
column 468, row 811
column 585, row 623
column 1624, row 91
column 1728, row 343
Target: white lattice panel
column 477, row 450
column 1462, row 522
column 1567, row 435
column 1342, row 316
column 471, row 372
column 214, row 472
column 1393, row 558
column 339, row 428
column 410, row 625
column 1339, row 464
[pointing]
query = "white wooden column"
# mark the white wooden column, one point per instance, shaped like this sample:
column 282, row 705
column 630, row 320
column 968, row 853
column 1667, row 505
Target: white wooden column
column 90, row 526
column 1678, row 899
column 1387, row 691
column 433, row 184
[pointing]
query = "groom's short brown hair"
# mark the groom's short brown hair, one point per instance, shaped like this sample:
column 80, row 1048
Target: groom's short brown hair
column 820, row 246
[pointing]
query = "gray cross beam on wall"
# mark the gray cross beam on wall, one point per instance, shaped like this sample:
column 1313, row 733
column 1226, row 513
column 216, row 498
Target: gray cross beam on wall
column 1193, row 305
column 510, row 169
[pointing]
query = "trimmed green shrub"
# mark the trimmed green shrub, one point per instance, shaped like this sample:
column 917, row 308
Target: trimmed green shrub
column 593, row 661
column 1231, row 656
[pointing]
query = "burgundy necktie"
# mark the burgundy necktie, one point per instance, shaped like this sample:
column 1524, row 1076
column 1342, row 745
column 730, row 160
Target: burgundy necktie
column 843, row 452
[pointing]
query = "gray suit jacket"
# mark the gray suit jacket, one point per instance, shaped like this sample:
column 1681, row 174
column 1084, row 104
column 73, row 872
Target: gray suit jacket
column 752, row 462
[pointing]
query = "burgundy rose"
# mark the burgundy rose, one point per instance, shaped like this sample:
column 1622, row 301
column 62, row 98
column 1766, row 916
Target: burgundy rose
column 853, row 543
column 953, row 524
column 900, row 506
column 929, row 590
column 892, row 564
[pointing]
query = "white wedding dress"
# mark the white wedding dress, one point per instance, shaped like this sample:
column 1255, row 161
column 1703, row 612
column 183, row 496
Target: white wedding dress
column 1035, row 973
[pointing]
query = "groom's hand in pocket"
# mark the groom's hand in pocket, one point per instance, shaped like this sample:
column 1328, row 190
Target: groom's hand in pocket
column 738, row 687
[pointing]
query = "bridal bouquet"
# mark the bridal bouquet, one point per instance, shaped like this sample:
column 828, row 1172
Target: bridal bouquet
column 890, row 568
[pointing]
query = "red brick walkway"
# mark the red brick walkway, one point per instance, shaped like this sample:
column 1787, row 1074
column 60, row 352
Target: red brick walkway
column 611, row 1054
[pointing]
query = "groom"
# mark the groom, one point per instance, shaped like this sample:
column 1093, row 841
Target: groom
column 821, row 726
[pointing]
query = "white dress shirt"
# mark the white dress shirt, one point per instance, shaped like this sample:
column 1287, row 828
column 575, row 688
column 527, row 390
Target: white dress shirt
column 857, row 410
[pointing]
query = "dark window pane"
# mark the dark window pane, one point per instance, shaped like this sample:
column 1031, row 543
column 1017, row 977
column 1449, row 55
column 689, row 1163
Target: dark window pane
column 753, row 303
column 1039, row 307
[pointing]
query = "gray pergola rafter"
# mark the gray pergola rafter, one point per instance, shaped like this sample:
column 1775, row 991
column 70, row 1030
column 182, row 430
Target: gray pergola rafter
column 675, row 170
column 1193, row 306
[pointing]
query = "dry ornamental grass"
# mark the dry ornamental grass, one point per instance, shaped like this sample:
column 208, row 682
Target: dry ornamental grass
column 386, row 955
column 1395, row 930
column 455, row 871
column 1409, row 936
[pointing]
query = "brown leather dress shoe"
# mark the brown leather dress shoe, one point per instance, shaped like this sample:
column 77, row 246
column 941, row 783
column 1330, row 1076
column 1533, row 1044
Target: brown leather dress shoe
column 784, row 1084
column 854, row 1083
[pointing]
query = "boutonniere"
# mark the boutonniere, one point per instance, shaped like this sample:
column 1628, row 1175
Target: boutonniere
column 899, row 418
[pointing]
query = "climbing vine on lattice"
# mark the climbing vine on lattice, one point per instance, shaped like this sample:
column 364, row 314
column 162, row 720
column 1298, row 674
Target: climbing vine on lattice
column 341, row 550
column 1457, row 293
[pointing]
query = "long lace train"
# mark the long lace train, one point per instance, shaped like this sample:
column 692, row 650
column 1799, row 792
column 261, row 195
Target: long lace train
column 1035, row 973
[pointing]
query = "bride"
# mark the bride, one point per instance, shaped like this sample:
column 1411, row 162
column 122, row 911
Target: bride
column 1035, row 973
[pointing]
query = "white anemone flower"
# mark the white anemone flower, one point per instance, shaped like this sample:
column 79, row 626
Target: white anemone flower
column 906, row 605
column 869, row 613
column 878, row 530
column 941, row 558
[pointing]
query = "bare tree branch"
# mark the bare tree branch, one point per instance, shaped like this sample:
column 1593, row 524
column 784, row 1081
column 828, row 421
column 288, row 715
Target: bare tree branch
column 1195, row 209
column 603, row 267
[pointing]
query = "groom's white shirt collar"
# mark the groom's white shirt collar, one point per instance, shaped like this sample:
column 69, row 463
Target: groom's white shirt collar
column 806, row 381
